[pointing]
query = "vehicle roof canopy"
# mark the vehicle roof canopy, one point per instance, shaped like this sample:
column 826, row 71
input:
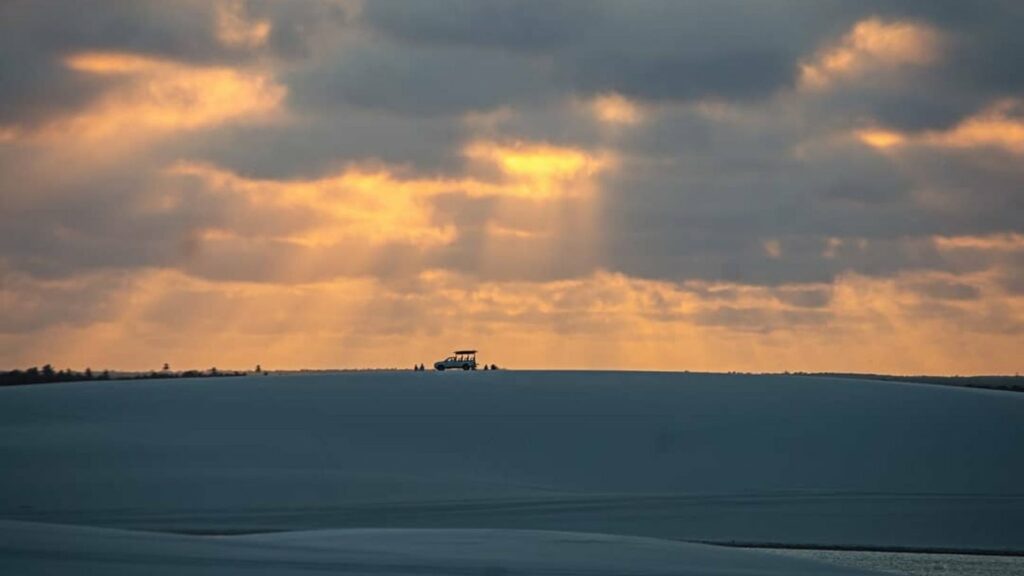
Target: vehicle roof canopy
column 465, row 351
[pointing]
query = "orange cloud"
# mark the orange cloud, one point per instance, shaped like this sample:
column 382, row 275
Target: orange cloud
column 880, row 138
column 163, row 96
column 994, row 126
column 537, row 170
column 991, row 127
column 615, row 109
column 362, row 203
column 600, row 321
column 871, row 45
column 992, row 242
column 236, row 30
column 543, row 192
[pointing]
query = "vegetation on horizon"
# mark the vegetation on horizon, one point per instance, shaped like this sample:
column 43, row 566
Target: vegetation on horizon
column 993, row 382
column 47, row 375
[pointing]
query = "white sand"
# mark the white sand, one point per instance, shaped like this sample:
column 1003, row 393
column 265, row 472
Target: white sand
column 679, row 456
column 29, row 548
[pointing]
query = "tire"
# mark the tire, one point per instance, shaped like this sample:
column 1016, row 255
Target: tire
column 465, row 366
column 439, row 368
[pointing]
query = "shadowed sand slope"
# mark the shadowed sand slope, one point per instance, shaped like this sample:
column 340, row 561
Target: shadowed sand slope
column 766, row 459
column 27, row 548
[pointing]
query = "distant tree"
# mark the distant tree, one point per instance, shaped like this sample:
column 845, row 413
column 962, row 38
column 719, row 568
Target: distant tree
column 494, row 366
column 166, row 367
column 48, row 373
column 88, row 373
column 105, row 375
column 259, row 369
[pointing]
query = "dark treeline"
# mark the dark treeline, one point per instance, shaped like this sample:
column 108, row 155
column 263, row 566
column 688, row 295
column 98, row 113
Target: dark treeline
column 1014, row 383
column 47, row 375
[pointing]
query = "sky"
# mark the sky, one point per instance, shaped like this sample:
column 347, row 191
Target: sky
column 679, row 185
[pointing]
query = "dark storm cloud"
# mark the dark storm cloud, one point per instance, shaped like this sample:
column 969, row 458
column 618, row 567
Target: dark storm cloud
column 736, row 50
column 711, row 194
column 985, row 48
column 978, row 190
column 682, row 51
column 98, row 222
column 526, row 25
column 656, row 50
column 319, row 145
column 441, row 80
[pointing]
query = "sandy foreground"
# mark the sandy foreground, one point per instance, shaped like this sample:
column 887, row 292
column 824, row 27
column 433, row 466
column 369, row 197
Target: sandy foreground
column 31, row 548
column 505, row 472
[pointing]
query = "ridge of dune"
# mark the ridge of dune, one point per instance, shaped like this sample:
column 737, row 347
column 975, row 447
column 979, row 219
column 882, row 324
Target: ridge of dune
column 716, row 458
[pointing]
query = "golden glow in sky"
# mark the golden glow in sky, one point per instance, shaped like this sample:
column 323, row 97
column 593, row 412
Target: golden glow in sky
column 870, row 47
column 303, row 186
column 167, row 96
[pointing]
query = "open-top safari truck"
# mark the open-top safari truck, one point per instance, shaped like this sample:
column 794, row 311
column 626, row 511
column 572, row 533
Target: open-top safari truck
column 465, row 359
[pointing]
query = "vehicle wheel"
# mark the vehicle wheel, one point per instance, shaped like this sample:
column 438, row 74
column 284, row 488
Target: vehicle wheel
column 439, row 368
column 465, row 366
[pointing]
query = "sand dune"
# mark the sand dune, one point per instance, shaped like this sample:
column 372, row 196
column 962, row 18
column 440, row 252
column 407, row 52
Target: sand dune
column 30, row 548
column 760, row 459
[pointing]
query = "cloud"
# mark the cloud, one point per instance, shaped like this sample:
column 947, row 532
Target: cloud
column 376, row 75
column 948, row 290
column 157, row 96
column 527, row 25
column 37, row 37
column 599, row 320
column 657, row 50
column 615, row 109
column 585, row 183
column 236, row 29
column 1000, row 125
column 872, row 47
column 371, row 219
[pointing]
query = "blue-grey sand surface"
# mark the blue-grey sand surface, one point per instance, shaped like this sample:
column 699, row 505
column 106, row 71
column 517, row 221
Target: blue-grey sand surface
column 410, row 472
column 915, row 564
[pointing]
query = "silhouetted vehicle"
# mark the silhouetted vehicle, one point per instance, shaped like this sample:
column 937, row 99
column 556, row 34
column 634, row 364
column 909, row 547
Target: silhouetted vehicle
column 465, row 359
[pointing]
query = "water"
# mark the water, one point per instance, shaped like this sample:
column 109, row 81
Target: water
column 915, row 564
